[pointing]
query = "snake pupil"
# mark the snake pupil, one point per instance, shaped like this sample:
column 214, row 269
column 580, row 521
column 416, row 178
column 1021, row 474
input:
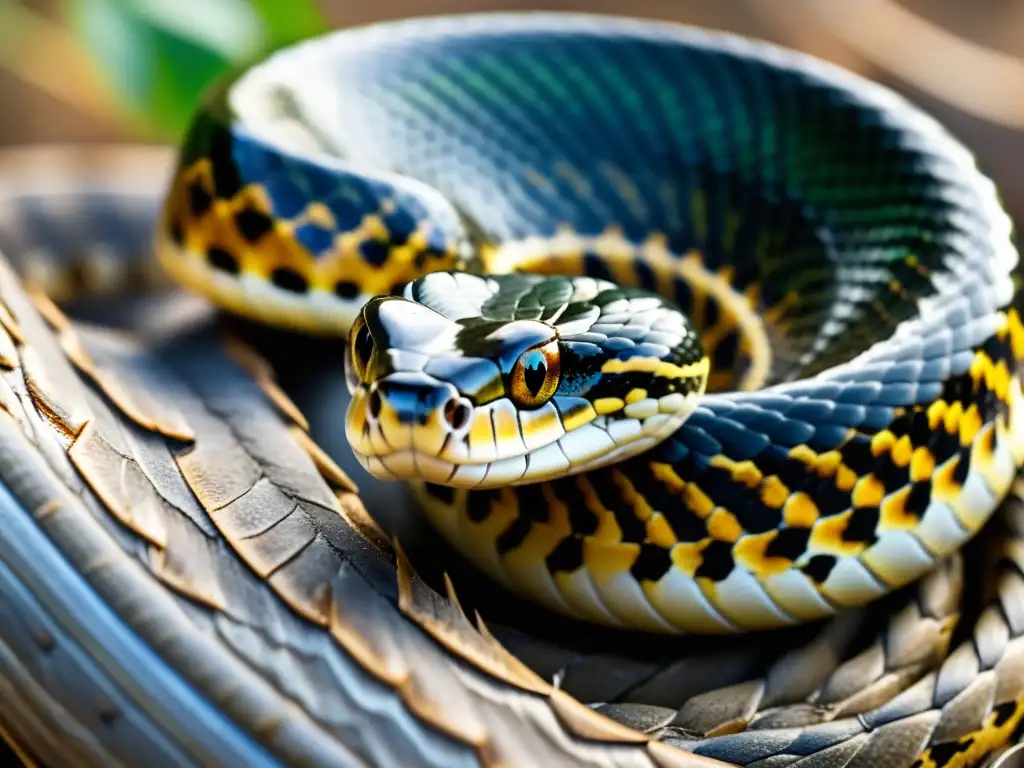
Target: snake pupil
column 535, row 374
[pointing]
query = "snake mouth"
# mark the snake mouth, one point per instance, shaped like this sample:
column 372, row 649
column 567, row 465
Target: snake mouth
column 409, row 426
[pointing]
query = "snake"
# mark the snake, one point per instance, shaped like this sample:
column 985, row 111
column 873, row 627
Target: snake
column 672, row 332
column 668, row 331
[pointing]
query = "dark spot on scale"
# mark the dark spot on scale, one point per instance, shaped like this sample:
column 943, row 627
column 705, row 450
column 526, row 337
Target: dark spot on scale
column 943, row 754
column 346, row 289
column 478, row 505
column 567, row 556
column 789, row 543
column 226, row 179
column 222, row 260
column 794, row 475
column 514, row 535
column 962, row 468
column 532, row 504
column 652, row 563
column 397, row 288
column 1018, row 732
column 645, row 277
column 1003, row 713
column 717, row 562
column 374, row 252
column 918, row 498
column 581, row 519
column 442, row 493
column 253, row 224
column 199, row 200
column 177, row 232
column 633, row 529
column 819, row 567
column 289, row 280
column 594, row 266
column 830, row 499
column 893, row 477
column 861, row 525
column 857, row 455
column 423, row 256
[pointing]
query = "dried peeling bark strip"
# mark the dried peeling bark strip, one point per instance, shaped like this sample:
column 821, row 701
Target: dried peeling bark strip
column 188, row 564
column 269, row 550
column 255, row 511
column 448, row 625
column 128, row 378
column 366, row 624
column 218, row 470
column 10, row 325
column 352, row 511
column 299, row 564
column 326, row 466
column 121, row 485
column 310, row 573
column 43, row 393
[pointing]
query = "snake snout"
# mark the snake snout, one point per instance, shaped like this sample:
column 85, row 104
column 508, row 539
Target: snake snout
column 407, row 418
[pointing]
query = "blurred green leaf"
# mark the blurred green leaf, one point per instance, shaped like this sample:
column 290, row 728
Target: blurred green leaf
column 288, row 21
column 159, row 55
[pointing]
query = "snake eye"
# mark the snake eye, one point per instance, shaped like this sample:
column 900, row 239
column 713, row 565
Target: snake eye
column 535, row 375
column 360, row 348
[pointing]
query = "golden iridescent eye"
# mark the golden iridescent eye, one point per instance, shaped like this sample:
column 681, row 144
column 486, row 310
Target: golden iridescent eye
column 535, row 375
column 360, row 348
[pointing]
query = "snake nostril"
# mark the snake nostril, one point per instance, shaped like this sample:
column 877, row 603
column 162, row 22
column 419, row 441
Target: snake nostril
column 456, row 413
column 374, row 403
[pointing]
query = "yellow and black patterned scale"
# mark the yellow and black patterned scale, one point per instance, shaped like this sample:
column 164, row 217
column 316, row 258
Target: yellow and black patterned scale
column 704, row 336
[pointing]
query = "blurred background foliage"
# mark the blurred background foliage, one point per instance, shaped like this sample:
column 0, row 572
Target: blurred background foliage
column 145, row 61
column 107, row 70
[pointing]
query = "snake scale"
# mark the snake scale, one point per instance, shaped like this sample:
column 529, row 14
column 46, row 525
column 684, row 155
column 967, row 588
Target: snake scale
column 673, row 332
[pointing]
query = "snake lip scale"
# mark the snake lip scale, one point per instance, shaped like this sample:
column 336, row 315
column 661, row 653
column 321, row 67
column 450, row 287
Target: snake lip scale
column 668, row 331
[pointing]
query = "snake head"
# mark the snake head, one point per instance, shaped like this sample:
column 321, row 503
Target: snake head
column 479, row 382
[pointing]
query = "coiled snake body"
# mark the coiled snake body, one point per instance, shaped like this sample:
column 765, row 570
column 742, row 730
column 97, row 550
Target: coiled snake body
column 672, row 331
column 841, row 270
